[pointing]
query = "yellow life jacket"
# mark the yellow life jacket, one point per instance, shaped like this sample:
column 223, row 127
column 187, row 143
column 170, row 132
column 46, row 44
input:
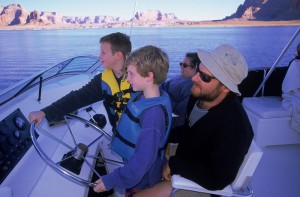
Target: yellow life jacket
column 115, row 96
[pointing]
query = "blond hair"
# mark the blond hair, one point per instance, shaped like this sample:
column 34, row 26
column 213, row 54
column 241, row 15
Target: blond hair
column 149, row 59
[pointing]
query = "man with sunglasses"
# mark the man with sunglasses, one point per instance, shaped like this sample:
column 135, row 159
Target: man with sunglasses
column 217, row 133
column 179, row 87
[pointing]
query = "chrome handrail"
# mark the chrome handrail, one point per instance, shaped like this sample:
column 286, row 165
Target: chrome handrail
column 276, row 62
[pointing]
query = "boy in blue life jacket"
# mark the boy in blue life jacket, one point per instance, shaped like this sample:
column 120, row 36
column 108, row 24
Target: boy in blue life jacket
column 144, row 125
column 109, row 86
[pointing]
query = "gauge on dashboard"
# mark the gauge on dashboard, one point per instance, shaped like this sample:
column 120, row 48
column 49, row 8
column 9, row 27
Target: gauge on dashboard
column 20, row 123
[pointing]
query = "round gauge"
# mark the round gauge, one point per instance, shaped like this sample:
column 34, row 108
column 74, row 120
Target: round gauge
column 19, row 123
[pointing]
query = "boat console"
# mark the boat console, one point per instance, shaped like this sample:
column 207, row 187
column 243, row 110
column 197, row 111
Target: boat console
column 25, row 173
column 14, row 141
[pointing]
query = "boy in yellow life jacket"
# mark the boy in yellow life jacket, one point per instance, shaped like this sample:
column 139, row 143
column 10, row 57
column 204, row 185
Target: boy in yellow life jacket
column 109, row 86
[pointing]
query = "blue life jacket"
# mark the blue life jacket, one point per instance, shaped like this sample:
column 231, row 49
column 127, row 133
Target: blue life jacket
column 129, row 128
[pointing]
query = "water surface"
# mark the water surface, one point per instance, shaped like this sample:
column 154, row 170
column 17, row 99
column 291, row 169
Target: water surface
column 23, row 53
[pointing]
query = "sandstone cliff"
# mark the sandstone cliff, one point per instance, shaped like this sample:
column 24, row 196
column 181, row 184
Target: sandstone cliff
column 252, row 10
column 15, row 14
column 154, row 15
column 268, row 10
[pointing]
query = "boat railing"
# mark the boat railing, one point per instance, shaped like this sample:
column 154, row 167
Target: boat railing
column 272, row 87
column 261, row 86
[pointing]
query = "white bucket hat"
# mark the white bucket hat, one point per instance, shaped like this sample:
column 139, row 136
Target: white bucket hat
column 227, row 64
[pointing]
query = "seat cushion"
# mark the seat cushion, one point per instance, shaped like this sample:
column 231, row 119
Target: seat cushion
column 266, row 107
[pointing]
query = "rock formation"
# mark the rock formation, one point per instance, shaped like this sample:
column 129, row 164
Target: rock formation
column 91, row 19
column 268, row 10
column 154, row 15
column 254, row 10
column 15, row 14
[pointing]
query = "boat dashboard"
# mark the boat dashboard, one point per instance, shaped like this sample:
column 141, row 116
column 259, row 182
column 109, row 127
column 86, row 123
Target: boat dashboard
column 14, row 141
column 24, row 172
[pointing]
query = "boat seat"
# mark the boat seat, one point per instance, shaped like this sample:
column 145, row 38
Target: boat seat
column 239, row 187
column 270, row 121
column 266, row 107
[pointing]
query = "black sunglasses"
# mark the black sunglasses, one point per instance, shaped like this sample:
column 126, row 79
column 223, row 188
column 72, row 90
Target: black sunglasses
column 204, row 77
column 185, row 65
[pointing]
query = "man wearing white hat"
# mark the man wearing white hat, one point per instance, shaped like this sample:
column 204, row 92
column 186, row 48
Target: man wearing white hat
column 217, row 133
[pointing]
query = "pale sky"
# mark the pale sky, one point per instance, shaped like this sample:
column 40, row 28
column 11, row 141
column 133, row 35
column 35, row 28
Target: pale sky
column 196, row 10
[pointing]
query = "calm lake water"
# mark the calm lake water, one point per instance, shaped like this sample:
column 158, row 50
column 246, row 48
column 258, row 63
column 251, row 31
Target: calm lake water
column 22, row 53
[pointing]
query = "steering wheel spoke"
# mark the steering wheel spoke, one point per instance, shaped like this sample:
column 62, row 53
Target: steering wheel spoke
column 64, row 159
column 76, row 158
column 46, row 133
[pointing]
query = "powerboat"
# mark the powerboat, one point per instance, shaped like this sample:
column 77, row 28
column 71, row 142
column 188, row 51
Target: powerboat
column 66, row 158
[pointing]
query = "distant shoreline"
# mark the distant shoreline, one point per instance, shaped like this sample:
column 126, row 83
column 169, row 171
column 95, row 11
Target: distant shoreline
column 221, row 23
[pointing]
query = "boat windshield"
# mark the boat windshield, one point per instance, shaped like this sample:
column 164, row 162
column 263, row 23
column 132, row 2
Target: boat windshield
column 73, row 66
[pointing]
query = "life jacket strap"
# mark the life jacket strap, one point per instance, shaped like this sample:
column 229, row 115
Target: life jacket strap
column 118, row 135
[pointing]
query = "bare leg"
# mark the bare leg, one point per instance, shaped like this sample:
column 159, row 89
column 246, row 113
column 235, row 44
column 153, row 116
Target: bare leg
column 162, row 189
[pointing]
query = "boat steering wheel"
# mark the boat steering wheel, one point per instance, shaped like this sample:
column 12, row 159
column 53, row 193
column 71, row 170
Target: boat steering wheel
column 77, row 154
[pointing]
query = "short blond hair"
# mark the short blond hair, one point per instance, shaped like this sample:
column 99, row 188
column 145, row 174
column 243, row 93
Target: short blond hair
column 150, row 59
